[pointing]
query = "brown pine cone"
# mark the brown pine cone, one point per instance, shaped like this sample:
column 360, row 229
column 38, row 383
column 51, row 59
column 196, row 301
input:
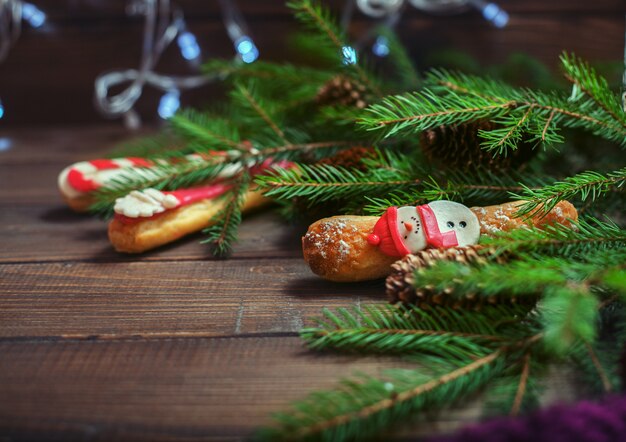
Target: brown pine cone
column 458, row 147
column 344, row 91
column 400, row 283
column 351, row 158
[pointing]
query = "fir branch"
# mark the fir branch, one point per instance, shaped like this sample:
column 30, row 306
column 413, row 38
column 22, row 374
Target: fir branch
column 155, row 146
column 361, row 409
column 522, row 386
column 321, row 21
column 518, row 390
column 583, row 236
column 225, row 224
column 248, row 94
column 216, row 132
column 584, row 185
column 509, row 136
column 606, row 383
column 453, row 98
column 581, row 74
column 480, row 186
column 284, row 73
column 570, row 312
column 599, row 363
column 319, row 183
column 405, row 71
column 441, row 331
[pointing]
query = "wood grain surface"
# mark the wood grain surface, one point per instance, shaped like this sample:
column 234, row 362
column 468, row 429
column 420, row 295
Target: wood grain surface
column 172, row 345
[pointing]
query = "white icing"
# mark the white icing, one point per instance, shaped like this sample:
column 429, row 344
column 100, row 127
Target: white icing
column 414, row 239
column 457, row 214
column 100, row 177
column 145, row 203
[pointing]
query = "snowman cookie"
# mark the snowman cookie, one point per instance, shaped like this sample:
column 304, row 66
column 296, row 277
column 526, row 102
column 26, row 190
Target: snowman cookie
column 359, row 248
column 440, row 224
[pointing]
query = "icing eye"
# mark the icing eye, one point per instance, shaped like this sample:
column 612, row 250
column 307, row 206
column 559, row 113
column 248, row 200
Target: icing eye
column 450, row 224
column 463, row 224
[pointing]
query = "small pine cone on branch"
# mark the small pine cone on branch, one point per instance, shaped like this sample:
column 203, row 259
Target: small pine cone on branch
column 400, row 283
column 458, row 147
column 342, row 91
column 351, row 158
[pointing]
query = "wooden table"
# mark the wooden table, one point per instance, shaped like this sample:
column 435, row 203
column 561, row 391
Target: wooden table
column 170, row 345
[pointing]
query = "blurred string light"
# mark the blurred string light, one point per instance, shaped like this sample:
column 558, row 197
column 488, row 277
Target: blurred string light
column 164, row 23
column 349, row 55
column 389, row 11
column 12, row 13
column 238, row 32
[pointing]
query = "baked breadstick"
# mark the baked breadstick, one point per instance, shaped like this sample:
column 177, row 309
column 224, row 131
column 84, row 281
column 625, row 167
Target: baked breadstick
column 160, row 224
column 359, row 248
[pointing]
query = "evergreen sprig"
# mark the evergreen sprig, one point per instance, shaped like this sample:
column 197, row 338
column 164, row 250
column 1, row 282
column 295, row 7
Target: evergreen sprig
column 480, row 185
column 585, row 235
column 501, row 341
column 585, row 78
column 445, row 333
column 224, row 229
column 455, row 98
column 319, row 20
column 585, row 185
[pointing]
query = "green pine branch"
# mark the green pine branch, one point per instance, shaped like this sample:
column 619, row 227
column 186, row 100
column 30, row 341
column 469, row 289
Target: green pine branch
column 208, row 130
column 320, row 183
column 360, row 409
column 585, row 78
column 585, row 185
column 224, row 228
column 481, row 186
column 454, row 98
column 442, row 332
column 585, row 235
column 404, row 68
column 319, row 20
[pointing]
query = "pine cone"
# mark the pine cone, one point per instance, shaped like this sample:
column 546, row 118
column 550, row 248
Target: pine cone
column 400, row 283
column 351, row 158
column 458, row 146
column 341, row 90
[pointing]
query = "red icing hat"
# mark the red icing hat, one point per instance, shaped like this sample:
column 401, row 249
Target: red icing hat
column 386, row 235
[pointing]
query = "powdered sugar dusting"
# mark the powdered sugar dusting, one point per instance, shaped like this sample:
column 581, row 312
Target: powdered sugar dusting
column 332, row 235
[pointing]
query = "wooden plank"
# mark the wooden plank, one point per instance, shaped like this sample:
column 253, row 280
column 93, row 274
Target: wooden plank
column 64, row 145
column 166, row 389
column 180, row 298
column 173, row 389
column 52, row 233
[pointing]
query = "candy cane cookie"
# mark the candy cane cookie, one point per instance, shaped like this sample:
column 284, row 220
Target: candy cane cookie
column 359, row 248
column 78, row 181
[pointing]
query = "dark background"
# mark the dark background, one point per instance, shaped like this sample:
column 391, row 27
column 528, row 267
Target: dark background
column 48, row 76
